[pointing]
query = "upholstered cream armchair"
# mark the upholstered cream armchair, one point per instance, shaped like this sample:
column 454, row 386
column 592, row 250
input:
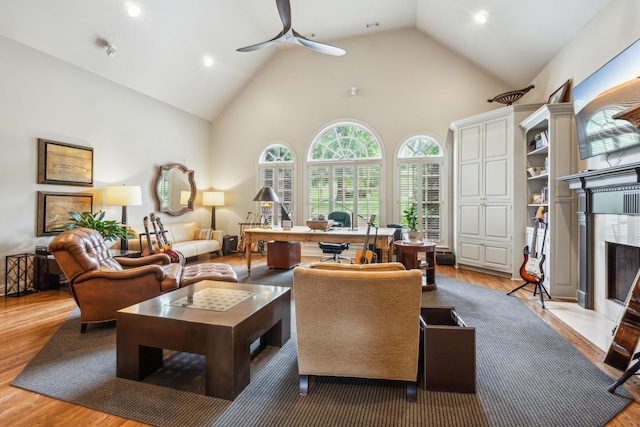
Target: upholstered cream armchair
column 102, row 284
column 358, row 321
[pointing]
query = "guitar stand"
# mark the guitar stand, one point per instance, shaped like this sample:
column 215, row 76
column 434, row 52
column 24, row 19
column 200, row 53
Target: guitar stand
column 537, row 287
column 626, row 374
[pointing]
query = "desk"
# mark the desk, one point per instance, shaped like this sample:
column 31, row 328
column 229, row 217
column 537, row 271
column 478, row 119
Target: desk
column 408, row 256
column 383, row 240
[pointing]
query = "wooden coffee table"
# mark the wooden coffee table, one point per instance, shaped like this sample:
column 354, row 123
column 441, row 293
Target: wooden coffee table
column 223, row 337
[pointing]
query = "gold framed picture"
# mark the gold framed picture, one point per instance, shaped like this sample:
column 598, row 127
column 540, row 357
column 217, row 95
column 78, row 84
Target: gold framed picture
column 62, row 163
column 54, row 208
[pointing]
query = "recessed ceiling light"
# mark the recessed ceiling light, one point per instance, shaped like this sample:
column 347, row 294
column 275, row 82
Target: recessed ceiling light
column 207, row 61
column 133, row 10
column 481, row 17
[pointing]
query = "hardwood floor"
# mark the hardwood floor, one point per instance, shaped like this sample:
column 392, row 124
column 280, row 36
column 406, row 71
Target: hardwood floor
column 29, row 321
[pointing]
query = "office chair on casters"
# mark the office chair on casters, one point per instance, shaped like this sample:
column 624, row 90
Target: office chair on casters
column 341, row 219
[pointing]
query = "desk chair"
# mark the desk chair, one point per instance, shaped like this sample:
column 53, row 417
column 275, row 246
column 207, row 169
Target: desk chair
column 341, row 219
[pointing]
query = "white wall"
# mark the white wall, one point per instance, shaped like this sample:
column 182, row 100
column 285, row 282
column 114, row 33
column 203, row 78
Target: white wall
column 131, row 134
column 407, row 83
column 608, row 34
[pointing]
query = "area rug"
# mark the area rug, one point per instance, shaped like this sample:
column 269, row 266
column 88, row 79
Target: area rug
column 527, row 376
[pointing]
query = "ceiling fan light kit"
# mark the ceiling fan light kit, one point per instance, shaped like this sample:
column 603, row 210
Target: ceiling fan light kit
column 289, row 35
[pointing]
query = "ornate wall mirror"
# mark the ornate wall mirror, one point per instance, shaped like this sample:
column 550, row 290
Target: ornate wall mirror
column 175, row 189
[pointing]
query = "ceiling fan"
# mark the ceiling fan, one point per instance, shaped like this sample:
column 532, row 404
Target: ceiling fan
column 290, row 35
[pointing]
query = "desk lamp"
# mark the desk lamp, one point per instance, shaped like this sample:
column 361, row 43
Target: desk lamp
column 267, row 197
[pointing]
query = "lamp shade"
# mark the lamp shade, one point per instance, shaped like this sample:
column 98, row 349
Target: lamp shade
column 124, row 195
column 184, row 197
column 213, row 198
column 266, row 194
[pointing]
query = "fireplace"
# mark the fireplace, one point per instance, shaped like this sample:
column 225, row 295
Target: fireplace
column 623, row 262
column 608, row 228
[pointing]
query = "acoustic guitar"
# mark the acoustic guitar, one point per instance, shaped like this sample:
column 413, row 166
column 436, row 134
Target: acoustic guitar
column 364, row 255
column 149, row 249
column 165, row 245
column 531, row 269
column 627, row 333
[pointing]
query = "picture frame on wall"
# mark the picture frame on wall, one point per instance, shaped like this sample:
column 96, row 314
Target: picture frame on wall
column 54, row 208
column 66, row 164
column 561, row 94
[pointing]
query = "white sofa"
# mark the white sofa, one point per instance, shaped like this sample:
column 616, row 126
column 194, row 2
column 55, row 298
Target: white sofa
column 185, row 237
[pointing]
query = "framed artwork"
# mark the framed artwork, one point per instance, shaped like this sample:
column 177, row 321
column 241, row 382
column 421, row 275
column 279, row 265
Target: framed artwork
column 560, row 94
column 54, row 208
column 67, row 164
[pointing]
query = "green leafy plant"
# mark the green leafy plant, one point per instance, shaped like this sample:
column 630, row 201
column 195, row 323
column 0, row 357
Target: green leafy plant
column 108, row 229
column 411, row 217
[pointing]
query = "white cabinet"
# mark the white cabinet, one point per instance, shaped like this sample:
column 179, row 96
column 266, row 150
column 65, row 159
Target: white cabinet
column 555, row 159
column 488, row 159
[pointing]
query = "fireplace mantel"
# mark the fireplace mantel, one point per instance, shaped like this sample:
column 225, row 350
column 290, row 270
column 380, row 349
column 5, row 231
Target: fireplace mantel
column 614, row 190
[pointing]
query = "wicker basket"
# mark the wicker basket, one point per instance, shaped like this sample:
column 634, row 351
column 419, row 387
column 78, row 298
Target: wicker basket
column 319, row 224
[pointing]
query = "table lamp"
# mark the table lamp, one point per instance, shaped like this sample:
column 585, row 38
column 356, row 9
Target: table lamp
column 124, row 195
column 213, row 199
column 267, row 197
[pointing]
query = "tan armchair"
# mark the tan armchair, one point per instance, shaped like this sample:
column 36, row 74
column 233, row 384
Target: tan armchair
column 358, row 321
column 102, row 284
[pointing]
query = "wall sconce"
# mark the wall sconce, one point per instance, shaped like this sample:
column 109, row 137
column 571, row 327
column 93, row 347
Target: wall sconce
column 213, row 199
column 124, row 195
column 267, row 197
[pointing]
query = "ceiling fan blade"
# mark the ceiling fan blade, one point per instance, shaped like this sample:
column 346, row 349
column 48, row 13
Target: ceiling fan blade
column 284, row 9
column 320, row 47
column 255, row 46
column 261, row 45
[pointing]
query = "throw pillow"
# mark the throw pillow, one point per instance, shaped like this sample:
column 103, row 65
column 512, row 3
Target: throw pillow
column 203, row 234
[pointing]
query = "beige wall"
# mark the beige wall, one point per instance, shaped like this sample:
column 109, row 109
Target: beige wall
column 407, row 84
column 131, row 134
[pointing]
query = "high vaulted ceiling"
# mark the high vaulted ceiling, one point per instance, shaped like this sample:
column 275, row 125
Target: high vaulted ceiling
column 159, row 53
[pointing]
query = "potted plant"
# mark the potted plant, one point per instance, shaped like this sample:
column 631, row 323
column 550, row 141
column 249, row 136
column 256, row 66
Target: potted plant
column 108, row 229
column 411, row 218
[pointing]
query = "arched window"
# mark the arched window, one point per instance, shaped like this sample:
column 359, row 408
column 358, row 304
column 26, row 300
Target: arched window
column 344, row 167
column 420, row 178
column 277, row 171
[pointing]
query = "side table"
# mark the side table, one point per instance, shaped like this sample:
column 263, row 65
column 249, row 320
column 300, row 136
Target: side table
column 407, row 253
column 20, row 271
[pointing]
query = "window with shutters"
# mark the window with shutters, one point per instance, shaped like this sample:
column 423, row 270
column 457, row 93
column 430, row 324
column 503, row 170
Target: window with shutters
column 343, row 171
column 277, row 171
column 420, row 164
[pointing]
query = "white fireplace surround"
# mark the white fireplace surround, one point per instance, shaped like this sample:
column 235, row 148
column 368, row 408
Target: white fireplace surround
column 612, row 228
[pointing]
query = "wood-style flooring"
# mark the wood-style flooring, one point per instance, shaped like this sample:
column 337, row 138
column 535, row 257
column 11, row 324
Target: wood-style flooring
column 28, row 322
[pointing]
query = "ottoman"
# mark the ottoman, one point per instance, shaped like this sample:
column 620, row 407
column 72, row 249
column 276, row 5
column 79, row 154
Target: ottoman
column 209, row 271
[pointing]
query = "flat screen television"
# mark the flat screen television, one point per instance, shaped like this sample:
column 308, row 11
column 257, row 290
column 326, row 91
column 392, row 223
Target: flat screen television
column 607, row 106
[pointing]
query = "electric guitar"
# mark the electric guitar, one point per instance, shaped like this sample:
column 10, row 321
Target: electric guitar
column 531, row 270
column 149, row 249
column 364, row 255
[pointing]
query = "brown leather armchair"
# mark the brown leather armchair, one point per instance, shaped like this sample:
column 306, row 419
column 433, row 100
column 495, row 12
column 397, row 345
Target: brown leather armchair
column 102, row 284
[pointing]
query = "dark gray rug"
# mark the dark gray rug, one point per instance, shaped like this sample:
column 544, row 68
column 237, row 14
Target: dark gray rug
column 527, row 376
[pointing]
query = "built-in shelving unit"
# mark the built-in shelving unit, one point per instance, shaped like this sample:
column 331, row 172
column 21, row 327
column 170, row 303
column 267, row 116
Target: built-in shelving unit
column 551, row 152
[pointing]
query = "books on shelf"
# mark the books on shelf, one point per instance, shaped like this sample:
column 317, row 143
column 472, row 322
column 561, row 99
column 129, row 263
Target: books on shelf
column 540, row 140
